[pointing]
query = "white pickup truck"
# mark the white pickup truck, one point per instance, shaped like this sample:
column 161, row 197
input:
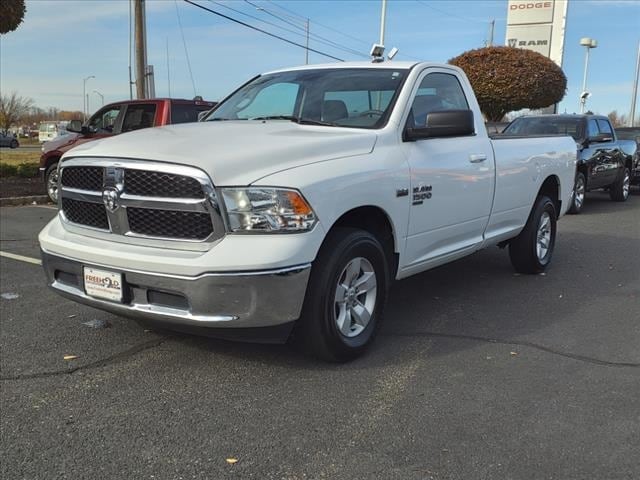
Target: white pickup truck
column 287, row 212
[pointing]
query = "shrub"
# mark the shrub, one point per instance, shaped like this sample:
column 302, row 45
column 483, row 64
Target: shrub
column 8, row 170
column 27, row 170
column 507, row 79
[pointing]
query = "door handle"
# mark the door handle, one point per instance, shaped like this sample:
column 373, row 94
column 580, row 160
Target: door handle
column 477, row 158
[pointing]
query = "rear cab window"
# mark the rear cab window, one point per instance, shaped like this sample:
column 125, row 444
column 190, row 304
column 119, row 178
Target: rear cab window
column 187, row 112
column 139, row 115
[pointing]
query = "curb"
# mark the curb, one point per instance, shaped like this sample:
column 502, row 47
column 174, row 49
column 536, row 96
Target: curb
column 16, row 201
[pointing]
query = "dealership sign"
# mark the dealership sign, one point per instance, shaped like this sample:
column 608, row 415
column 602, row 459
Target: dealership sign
column 531, row 37
column 523, row 12
column 537, row 26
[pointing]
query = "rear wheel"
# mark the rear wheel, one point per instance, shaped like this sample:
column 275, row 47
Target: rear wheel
column 619, row 191
column 531, row 251
column 51, row 182
column 13, row 144
column 577, row 199
column 345, row 297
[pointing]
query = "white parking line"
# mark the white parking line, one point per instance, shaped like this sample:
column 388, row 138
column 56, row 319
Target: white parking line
column 13, row 256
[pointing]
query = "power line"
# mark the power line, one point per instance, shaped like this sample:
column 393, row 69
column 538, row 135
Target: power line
column 262, row 31
column 315, row 22
column 315, row 36
column 322, row 40
column 447, row 13
column 368, row 44
column 186, row 52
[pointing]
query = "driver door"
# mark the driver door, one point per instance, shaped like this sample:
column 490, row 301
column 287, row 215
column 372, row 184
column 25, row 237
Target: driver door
column 452, row 179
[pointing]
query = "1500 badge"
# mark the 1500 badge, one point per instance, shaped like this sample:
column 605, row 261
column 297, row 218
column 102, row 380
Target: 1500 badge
column 421, row 192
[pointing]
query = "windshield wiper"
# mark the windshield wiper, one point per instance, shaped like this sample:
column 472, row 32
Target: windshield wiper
column 293, row 118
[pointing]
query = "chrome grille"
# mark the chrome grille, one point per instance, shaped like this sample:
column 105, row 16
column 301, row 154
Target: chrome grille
column 161, row 184
column 86, row 213
column 140, row 202
column 167, row 223
column 83, row 178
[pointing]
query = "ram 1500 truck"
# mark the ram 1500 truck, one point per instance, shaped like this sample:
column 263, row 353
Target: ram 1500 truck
column 604, row 161
column 287, row 212
column 113, row 119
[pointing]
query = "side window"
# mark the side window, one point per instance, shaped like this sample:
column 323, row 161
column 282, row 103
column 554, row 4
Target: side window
column 605, row 128
column 437, row 92
column 104, row 121
column 138, row 116
column 276, row 99
column 592, row 128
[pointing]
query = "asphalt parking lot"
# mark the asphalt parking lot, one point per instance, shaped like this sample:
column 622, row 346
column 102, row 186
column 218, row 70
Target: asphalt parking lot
column 478, row 373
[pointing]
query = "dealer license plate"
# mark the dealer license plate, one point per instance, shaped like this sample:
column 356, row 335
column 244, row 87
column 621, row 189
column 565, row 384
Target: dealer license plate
column 103, row 284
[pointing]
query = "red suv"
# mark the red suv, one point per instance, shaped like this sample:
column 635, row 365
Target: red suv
column 113, row 119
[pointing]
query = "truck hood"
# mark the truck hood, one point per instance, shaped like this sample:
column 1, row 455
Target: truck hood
column 235, row 152
column 60, row 142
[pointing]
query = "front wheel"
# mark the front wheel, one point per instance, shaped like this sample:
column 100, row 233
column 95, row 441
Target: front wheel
column 14, row 144
column 577, row 199
column 51, row 182
column 531, row 251
column 345, row 297
column 619, row 191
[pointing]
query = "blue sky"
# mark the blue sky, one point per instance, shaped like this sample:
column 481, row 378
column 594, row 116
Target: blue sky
column 61, row 42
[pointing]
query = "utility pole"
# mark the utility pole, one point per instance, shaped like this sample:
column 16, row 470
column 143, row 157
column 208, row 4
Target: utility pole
column 492, row 26
column 140, row 47
column 632, row 115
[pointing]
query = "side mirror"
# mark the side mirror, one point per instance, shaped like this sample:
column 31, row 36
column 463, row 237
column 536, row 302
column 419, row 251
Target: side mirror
column 447, row 123
column 202, row 114
column 603, row 137
column 74, row 126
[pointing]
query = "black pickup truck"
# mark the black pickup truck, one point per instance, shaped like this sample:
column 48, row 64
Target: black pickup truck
column 604, row 161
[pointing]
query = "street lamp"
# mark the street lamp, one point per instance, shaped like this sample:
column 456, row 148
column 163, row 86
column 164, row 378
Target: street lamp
column 100, row 95
column 84, row 95
column 588, row 43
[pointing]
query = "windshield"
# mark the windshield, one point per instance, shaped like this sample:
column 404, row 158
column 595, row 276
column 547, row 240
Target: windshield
column 546, row 126
column 345, row 97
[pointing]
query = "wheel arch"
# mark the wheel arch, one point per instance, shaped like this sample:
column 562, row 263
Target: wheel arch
column 376, row 221
column 552, row 188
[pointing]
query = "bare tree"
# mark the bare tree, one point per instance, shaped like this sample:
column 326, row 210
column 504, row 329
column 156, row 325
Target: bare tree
column 617, row 120
column 13, row 108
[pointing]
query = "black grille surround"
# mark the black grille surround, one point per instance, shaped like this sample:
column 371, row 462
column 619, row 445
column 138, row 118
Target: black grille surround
column 159, row 204
column 161, row 184
column 83, row 178
column 169, row 223
column 85, row 213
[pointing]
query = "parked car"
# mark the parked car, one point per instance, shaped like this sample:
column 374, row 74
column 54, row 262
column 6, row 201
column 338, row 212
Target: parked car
column 8, row 140
column 302, row 196
column 113, row 119
column 632, row 134
column 604, row 161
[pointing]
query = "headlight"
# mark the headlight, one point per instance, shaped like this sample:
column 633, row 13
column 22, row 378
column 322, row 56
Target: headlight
column 267, row 210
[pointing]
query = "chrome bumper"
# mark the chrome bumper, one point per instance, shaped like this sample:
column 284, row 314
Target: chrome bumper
column 219, row 300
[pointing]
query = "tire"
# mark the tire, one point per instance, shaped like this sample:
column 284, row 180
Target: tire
column 14, row 144
column 51, row 182
column 619, row 191
column 577, row 199
column 333, row 323
column 531, row 251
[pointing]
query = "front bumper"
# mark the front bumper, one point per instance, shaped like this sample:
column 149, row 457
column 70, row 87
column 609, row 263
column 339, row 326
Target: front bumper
column 232, row 300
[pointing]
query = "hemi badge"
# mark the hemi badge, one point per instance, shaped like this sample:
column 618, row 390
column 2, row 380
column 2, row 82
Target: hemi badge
column 402, row 192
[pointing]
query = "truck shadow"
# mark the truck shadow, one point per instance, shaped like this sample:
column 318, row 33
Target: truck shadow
column 481, row 297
